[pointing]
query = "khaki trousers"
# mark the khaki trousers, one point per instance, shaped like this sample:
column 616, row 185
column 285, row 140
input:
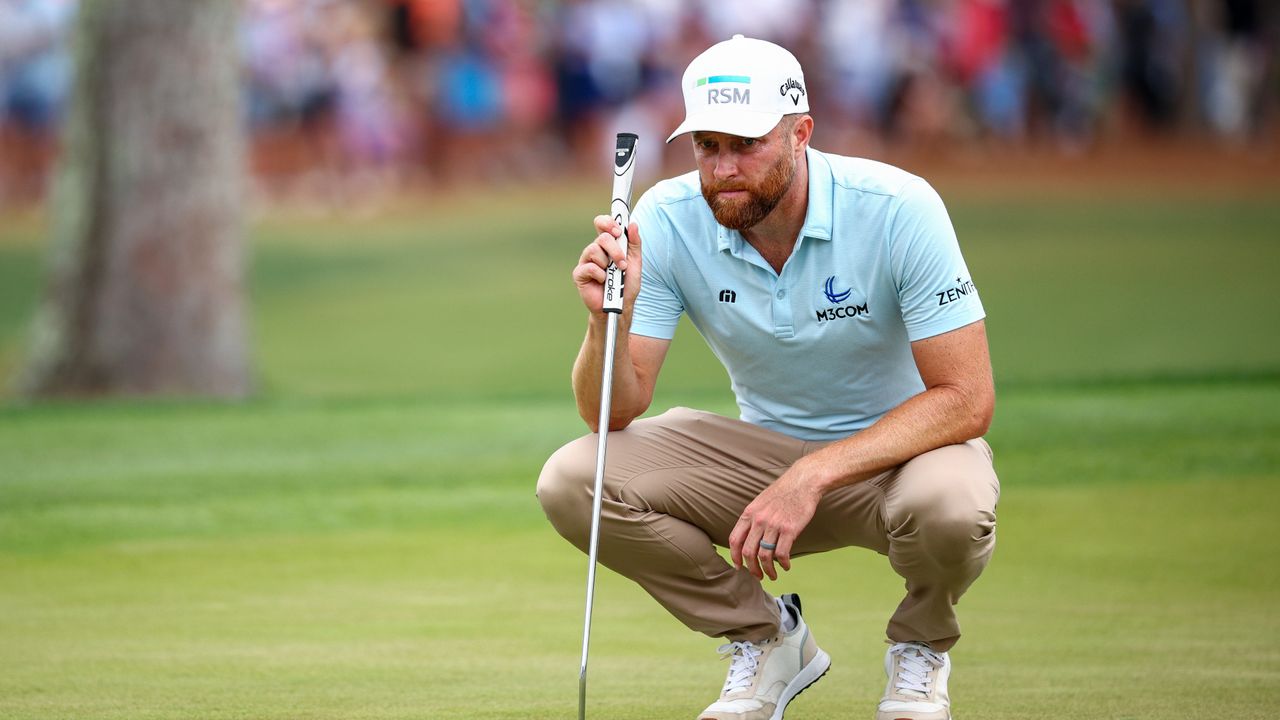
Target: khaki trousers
column 676, row 484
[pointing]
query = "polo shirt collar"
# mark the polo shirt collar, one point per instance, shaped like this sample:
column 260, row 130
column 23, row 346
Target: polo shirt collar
column 817, row 218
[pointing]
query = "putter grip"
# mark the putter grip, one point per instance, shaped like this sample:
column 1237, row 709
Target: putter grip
column 624, row 165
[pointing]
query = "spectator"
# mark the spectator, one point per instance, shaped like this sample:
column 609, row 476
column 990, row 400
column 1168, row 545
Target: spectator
column 1152, row 38
column 355, row 95
column 1233, row 59
column 35, row 74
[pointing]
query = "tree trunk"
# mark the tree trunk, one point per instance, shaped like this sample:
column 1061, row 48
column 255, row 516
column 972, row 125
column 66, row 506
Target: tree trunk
column 145, row 294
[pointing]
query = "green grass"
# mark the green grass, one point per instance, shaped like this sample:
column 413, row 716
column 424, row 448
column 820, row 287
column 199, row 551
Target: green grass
column 453, row 302
column 362, row 540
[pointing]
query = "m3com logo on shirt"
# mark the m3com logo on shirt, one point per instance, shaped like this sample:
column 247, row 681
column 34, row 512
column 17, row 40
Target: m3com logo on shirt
column 829, row 289
column 836, row 297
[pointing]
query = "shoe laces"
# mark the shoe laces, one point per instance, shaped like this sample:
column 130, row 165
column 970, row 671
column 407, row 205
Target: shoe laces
column 745, row 660
column 916, row 666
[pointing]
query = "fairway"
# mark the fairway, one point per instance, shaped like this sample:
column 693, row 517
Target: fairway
column 361, row 540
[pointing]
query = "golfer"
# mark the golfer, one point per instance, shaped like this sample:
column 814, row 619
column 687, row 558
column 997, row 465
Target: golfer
column 834, row 292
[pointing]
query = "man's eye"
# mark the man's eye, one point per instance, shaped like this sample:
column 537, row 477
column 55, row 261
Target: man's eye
column 748, row 141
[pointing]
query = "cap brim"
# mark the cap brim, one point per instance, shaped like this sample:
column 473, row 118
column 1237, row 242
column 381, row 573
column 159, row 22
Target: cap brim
column 743, row 123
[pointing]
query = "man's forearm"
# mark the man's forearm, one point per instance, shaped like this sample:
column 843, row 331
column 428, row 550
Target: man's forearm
column 942, row 415
column 628, row 399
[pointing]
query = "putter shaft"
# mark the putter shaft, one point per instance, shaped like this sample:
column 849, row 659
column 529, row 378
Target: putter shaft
column 606, row 396
column 612, row 306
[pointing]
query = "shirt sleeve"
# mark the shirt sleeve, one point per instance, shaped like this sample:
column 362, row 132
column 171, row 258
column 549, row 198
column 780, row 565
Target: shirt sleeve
column 659, row 305
column 935, row 290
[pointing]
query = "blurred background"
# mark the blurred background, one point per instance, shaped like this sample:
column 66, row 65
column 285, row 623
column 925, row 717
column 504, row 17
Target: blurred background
column 348, row 125
column 286, row 327
column 350, row 99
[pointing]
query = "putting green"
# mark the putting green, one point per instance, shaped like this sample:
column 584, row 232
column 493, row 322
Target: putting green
column 362, row 541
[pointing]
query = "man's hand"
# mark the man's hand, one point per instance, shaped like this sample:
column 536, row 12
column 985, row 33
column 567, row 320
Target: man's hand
column 589, row 274
column 638, row 358
column 777, row 516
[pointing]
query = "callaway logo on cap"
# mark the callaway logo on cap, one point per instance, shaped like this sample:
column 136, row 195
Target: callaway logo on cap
column 742, row 87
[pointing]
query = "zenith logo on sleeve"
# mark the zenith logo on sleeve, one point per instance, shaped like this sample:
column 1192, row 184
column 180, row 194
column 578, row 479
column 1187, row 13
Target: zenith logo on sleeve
column 962, row 289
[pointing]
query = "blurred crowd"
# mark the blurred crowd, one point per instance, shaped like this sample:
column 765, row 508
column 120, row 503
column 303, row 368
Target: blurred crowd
column 355, row 95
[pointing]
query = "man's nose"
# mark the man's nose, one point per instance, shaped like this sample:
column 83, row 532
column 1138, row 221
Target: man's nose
column 726, row 166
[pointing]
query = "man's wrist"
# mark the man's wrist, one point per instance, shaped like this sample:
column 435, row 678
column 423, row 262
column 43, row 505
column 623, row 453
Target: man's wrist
column 818, row 475
column 598, row 321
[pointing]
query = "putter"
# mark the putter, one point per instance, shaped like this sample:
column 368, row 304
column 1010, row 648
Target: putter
column 623, row 168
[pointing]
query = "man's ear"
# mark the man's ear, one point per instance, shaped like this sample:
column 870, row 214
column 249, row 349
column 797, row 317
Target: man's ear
column 802, row 131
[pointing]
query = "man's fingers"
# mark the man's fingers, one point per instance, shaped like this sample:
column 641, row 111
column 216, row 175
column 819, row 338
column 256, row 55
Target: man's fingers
column 612, row 249
column 606, row 224
column 603, row 250
column 633, row 239
column 783, row 552
column 610, row 236
column 766, row 563
column 769, row 555
column 751, row 550
column 593, row 254
column 588, row 272
column 736, row 539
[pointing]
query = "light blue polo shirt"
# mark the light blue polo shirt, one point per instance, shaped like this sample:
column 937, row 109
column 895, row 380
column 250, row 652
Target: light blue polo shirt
column 822, row 349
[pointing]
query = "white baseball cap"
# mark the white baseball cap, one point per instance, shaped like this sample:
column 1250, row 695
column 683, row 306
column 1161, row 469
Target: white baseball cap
column 743, row 87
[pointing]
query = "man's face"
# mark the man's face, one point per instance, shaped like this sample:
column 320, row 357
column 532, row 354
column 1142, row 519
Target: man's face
column 743, row 179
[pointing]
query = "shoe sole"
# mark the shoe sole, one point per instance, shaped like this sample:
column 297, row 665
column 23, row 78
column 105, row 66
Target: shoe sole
column 809, row 675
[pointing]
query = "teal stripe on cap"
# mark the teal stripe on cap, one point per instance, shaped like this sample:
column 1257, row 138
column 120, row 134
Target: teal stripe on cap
column 725, row 78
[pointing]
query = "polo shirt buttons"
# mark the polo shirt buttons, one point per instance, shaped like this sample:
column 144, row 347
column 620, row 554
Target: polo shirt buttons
column 782, row 327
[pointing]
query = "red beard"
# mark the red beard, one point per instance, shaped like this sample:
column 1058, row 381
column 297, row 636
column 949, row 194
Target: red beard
column 745, row 212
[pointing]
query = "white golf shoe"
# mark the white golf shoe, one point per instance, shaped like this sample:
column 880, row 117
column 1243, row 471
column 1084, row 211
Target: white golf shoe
column 765, row 676
column 917, row 688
